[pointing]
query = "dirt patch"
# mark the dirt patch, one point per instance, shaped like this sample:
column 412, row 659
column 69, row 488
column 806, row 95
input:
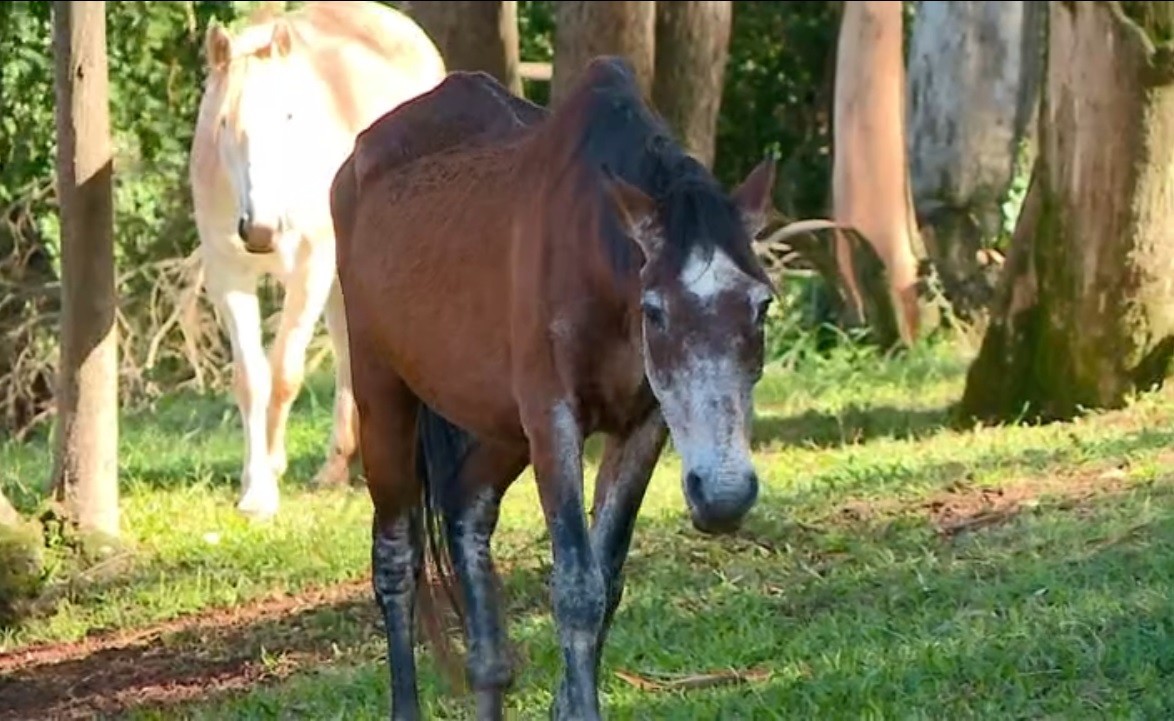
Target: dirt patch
column 962, row 509
column 966, row 506
column 202, row 655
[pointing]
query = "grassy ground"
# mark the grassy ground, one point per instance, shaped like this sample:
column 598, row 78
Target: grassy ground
column 895, row 568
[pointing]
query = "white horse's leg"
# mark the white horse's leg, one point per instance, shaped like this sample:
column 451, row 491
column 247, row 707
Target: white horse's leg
column 235, row 295
column 306, row 291
column 344, row 435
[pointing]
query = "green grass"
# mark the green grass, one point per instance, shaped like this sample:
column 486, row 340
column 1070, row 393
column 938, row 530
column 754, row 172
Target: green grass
column 841, row 592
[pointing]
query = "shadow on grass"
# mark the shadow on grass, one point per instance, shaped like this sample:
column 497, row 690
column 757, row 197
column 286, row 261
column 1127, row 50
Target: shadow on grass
column 857, row 424
column 1051, row 614
column 224, row 652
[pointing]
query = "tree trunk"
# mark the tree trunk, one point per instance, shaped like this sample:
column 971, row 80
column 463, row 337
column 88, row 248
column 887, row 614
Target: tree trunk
column 692, row 48
column 1084, row 315
column 85, row 476
column 870, row 178
column 974, row 75
column 586, row 30
column 474, row 36
column 8, row 515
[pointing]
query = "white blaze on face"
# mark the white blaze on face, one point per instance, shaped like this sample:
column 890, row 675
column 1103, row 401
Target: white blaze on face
column 264, row 147
column 707, row 399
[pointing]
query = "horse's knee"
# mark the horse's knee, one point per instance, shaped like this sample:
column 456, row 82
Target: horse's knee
column 285, row 387
column 247, row 388
column 580, row 596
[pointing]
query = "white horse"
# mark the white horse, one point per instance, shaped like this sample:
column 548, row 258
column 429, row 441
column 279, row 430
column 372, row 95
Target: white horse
column 283, row 102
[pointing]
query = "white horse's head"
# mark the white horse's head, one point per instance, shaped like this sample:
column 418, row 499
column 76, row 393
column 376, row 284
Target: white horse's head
column 269, row 119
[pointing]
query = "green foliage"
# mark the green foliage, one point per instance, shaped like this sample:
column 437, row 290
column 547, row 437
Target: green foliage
column 1012, row 201
column 156, row 78
column 536, row 43
column 22, row 573
column 776, row 99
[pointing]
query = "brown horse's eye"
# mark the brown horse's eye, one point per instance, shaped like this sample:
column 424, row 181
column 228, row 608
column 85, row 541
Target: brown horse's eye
column 654, row 315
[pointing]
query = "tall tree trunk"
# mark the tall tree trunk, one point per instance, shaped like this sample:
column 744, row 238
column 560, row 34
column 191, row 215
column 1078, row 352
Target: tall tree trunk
column 1083, row 315
column 870, row 177
column 474, row 36
column 587, row 29
column 85, row 476
column 692, row 48
column 8, row 515
column 974, row 75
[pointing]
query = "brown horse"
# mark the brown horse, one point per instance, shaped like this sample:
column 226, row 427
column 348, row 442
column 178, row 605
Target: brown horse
column 515, row 281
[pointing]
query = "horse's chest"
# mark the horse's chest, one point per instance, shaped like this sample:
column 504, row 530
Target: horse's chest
column 617, row 391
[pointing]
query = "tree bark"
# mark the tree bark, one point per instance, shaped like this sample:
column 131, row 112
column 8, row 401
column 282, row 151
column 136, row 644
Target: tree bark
column 474, row 36
column 585, row 30
column 870, row 178
column 974, row 75
column 692, row 48
column 1084, row 315
column 8, row 515
column 85, row 477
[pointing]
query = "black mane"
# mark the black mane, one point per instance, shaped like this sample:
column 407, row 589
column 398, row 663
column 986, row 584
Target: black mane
column 615, row 130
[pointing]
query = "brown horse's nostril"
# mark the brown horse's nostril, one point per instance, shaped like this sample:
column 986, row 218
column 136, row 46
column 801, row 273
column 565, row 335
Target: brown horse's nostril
column 242, row 228
column 720, row 507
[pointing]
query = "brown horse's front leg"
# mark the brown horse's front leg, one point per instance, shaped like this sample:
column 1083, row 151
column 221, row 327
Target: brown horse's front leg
column 624, row 474
column 623, row 477
column 579, row 591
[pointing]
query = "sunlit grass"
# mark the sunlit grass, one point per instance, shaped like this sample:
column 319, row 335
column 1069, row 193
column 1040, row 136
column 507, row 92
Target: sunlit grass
column 1059, row 611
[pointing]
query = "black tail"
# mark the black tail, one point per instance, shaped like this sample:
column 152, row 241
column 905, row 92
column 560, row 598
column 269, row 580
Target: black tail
column 441, row 450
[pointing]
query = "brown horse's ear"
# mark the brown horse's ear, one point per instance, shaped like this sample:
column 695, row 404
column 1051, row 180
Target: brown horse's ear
column 282, row 40
column 217, row 46
column 637, row 211
column 753, row 196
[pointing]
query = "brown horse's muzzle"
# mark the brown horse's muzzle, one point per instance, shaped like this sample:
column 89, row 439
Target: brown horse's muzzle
column 719, row 505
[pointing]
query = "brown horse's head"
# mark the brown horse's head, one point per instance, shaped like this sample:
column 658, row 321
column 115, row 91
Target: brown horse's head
column 704, row 298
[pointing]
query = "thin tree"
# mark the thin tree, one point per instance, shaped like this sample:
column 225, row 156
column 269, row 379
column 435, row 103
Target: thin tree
column 85, row 475
column 1082, row 315
column 587, row 29
column 474, row 36
column 870, row 176
column 692, row 49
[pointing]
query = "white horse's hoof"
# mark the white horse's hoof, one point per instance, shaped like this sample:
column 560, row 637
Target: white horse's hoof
column 259, row 502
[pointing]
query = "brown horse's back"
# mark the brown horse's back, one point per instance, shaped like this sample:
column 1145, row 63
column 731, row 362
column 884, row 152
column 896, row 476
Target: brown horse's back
column 410, row 170
column 465, row 109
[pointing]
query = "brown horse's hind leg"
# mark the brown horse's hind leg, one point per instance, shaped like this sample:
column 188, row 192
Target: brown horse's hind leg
column 387, row 435
column 470, row 518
